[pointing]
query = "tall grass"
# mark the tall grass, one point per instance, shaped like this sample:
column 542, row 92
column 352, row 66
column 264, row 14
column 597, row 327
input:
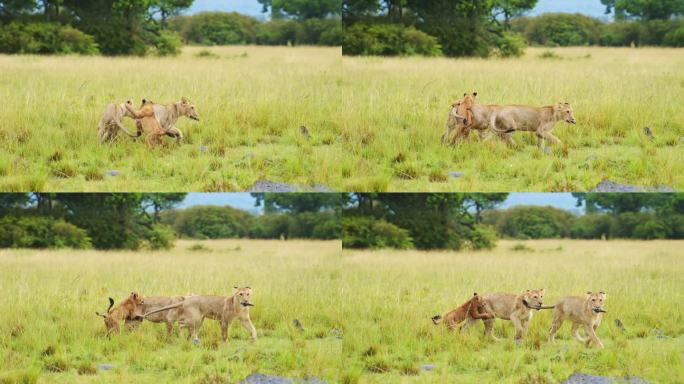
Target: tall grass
column 251, row 100
column 49, row 331
column 388, row 298
column 400, row 105
column 366, row 314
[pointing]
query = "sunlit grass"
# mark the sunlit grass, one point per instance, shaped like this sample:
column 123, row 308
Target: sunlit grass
column 251, row 100
column 398, row 111
column 390, row 296
column 49, row 330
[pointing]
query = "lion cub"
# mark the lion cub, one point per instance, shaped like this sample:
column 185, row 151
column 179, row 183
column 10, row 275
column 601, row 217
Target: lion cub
column 581, row 311
column 112, row 122
column 123, row 311
column 148, row 121
column 194, row 309
column 475, row 308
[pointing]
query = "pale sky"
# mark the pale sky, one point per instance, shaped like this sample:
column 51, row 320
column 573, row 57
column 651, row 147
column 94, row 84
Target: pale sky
column 252, row 7
column 245, row 201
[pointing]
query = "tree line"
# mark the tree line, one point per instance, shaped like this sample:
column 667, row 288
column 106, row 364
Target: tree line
column 154, row 221
column 473, row 221
column 141, row 27
column 496, row 27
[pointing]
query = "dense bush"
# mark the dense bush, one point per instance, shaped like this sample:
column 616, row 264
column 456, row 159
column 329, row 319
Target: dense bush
column 216, row 28
column 558, row 29
column 530, row 222
column 209, row 222
column 159, row 237
column 388, row 40
column 40, row 232
column 45, row 38
column 305, row 225
column 368, row 232
column 167, row 44
column 221, row 28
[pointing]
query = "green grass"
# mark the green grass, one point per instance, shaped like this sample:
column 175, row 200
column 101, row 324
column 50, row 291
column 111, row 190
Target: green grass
column 251, row 100
column 49, row 331
column 379, row 302
column 390, row 296
column 400, row 108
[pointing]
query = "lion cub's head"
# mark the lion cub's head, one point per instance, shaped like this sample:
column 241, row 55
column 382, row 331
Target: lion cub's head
column 477, row 301
column 595, row 301
column 186, row 108
column 534, row 298
column 461, row 109
column 244, row 296
column 564, row 112
column 134, row 299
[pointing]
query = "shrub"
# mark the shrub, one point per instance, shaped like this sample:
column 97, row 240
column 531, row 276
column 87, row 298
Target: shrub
column 216, row 28
column 509, row 45
column 651, row 229
column 45, row 38
column 559, row 29
column 167, row 44
column 159, row 237
column 482, row 237
column 368, row 232
column 675, row 37
column 388, row 40
column 41, row 232
column 68, row 235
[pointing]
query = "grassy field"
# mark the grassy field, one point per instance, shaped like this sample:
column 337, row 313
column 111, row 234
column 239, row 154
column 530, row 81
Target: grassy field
column 251, row 100
column 49, row 331
column 400, row 108
column 390, row 296
column 366, row 314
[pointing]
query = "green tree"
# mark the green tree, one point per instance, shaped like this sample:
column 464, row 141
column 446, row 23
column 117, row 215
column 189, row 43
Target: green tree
column 645, row 9
column 511, row 8
column 301, row 9
column 300, row 202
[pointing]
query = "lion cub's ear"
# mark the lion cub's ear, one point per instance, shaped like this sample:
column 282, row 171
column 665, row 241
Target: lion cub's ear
column 475, row 294
column 184, row 100
column 474, row 94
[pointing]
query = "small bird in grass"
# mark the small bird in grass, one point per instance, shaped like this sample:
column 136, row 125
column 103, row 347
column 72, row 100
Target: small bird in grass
column 304, row 131
column 619, row 324
column 648, row 133
column 298, row 325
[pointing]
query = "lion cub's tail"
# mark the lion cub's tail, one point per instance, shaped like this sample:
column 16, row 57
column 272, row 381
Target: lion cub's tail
column 172, row 306
column 436, row 319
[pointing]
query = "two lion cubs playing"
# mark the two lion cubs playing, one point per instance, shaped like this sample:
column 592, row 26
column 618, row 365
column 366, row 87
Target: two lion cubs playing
column 189, row 311
column 584, row 312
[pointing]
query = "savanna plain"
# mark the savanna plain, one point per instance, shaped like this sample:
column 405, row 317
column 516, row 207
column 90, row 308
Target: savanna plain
column 50, row 334
column 365, row 315
column 251, row 101
column 390, row 296
column 400, row 108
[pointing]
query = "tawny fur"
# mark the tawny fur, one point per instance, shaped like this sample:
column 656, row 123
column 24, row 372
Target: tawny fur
column 122, row 311
column 112, row 122
column 584, row 312
column 475, row 308
column 168, row 114
column 510, row 306
column 149, row 123
column 194, row 309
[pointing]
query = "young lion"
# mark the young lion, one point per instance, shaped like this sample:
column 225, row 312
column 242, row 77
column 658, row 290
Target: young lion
column 508, row 306
column 541, row 120
column 168, row 115
column 123, row 311
column 112, row 122
column 581, row 311
column 148, row 121
column 475, row 308
column 194, row 309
